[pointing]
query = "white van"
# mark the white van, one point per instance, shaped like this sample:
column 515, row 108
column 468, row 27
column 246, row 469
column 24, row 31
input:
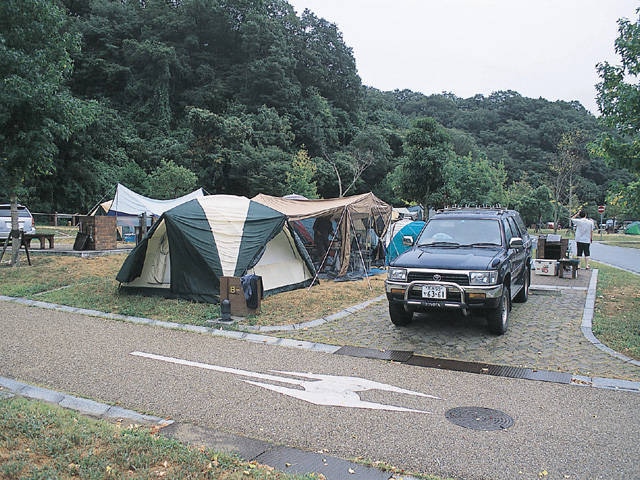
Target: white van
column 25, row 220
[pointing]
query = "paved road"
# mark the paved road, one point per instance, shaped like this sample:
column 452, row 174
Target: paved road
column 559, row 431
column 625, row 258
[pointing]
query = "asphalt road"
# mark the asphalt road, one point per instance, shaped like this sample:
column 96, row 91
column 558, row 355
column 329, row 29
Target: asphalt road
column 559, row 431
column 625, row 258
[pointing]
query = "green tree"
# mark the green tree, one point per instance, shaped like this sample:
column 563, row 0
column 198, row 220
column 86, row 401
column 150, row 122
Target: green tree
column 419, row 176
column 171, row 181
column 565, row 167
column 534, row 204
column 470, row 181
column 617, row 97
column 36, row 106
column 326, row 63
column 300, row 178
column 371, row 155
column 623, row 201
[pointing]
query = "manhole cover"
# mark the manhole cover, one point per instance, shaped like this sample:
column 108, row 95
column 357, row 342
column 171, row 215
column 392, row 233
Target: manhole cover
column 479, row 418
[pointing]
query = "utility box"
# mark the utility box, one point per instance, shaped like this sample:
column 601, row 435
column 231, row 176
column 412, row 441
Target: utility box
column 544, row 266
column 231, row 289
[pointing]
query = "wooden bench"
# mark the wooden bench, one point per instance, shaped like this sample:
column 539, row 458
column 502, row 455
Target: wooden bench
column 42, row 237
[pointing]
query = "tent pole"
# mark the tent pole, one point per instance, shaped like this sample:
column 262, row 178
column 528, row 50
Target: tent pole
column 364, row 265
column 326, row 254
column 99, row 202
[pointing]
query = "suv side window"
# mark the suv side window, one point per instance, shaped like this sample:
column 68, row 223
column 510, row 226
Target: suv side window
column 507, row 230
column 520, row 223
column 514, row 227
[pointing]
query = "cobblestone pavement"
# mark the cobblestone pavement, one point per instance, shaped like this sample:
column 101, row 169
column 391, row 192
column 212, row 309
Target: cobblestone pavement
column 544, row 333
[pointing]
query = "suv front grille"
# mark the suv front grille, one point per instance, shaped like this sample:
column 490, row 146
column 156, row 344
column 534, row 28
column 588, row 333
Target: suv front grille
column 460, row 279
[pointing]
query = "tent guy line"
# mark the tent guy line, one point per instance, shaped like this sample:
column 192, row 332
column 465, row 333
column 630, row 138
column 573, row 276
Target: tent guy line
column 327, row 390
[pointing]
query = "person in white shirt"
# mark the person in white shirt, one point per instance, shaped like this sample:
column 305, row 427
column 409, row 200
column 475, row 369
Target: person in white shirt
column 584, row 235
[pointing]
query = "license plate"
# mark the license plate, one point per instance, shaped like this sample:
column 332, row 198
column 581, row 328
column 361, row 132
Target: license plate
column 434, row 291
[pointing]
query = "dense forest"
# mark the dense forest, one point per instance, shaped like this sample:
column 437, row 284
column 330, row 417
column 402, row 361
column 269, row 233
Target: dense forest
column 245, row 97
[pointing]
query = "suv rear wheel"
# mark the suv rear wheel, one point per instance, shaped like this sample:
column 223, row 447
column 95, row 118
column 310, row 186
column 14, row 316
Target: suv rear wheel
column 399, row 316
column 498, row 318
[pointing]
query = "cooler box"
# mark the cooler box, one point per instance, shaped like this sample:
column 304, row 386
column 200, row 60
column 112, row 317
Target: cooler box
column 545, row 266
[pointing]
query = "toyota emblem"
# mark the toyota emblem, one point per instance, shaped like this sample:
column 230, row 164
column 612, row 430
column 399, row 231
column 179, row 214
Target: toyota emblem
column 437, row 277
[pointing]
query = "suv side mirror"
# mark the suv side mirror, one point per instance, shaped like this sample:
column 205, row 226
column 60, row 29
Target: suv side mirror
column 516, row 242
column 407, row 241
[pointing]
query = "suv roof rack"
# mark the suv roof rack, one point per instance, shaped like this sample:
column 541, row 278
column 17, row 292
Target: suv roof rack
column 469, row 208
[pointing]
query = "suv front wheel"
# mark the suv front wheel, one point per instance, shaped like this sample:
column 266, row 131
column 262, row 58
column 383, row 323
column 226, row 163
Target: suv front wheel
column 498, row 318
column 399, row 316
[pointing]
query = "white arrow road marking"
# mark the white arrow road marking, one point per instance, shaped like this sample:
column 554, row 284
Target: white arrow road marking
column 330, row 390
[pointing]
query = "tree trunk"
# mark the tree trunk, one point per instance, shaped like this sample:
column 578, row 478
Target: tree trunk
column 15, row 232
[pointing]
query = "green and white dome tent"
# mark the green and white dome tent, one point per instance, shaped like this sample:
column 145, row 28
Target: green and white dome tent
column 193, row 245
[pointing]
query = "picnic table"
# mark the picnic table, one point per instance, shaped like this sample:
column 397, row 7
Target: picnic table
column 25, row 241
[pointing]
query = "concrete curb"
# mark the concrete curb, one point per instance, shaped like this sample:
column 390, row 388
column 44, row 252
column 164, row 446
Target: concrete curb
column 83, row 406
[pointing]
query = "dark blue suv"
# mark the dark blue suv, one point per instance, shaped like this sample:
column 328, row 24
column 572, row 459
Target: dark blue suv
column 469, row 259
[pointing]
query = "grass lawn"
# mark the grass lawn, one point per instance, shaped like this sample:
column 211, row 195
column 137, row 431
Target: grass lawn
column 616, row 239
column 40, row 441
column 616, row 320
column 90, row 283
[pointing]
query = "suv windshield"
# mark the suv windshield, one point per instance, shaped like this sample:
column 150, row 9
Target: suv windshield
column 460, row 231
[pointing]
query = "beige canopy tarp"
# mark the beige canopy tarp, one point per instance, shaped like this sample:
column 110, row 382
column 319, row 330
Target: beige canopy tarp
column 351, row 214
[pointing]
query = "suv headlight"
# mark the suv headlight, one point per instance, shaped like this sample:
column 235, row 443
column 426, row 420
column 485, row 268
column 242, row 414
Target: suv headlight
column 483, row 278
column 397, row 274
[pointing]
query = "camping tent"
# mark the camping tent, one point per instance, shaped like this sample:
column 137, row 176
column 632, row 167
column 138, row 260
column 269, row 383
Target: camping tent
column 193, row 245
column 128, row 206
column 415, row 212
column 633, row 228
column 352, row 215
column 396, row 246
column 128, row 202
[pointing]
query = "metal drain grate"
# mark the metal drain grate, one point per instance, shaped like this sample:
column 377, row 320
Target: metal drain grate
column 393, row 355
column 479, row 418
